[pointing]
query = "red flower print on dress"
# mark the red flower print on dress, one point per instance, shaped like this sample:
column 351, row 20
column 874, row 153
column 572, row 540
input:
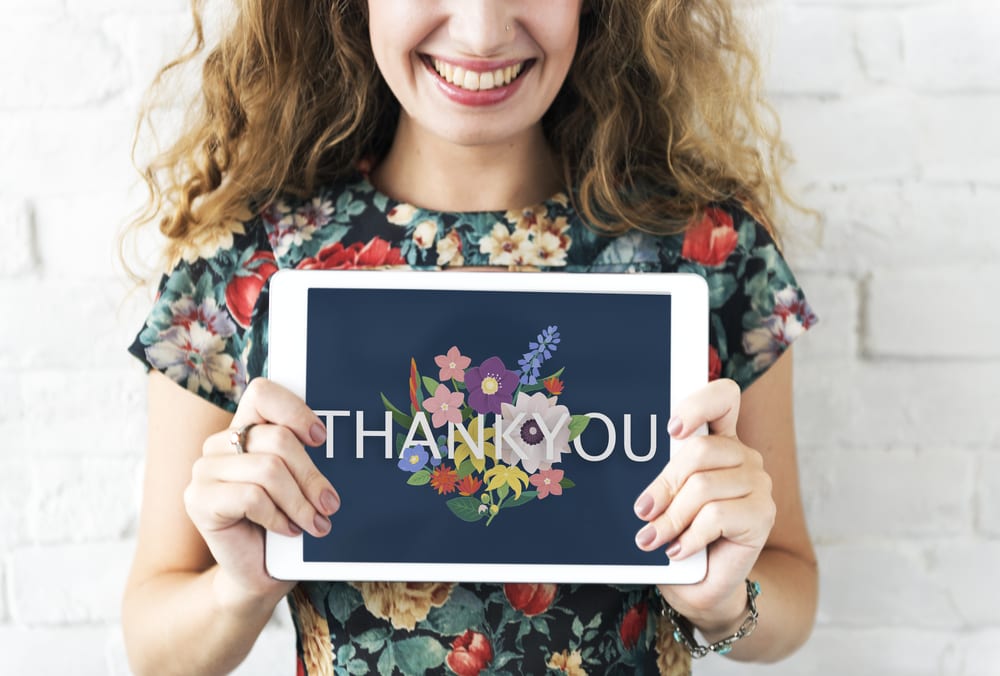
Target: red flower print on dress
column 470, row 654
column 712, row 240
column 530, row 599
column 714, row 363
column 633, row 625
column 377, row 252
column 244, row 289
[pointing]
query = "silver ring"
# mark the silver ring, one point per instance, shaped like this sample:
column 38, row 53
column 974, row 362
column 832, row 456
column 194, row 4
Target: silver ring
column 238, row 438
column 507, row 28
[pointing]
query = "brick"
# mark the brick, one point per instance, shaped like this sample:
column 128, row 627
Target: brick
column 51, row 650
column 886, row 651
column 835, row 300
column 959, row 141
column 988, row 495
column 811, row 53
column 976, row 653
column 851, row 495
column 15, row 487
column 73, row 50
column 878, row 37
column 3, row 595
column 967, row 570
column 62, row 484
column 918, row 405
column 911, row 224
column 863, row 138
column 933, row 312
column 68, row 584
column 80, row 412
column 951, row 46
column 17, row 256
column 71, row 325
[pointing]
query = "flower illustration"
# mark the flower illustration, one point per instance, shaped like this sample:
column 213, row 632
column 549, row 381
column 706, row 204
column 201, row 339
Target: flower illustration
column 550, row 249
column 469, row 485
column 536, row 417
column 413, row 459
column 633, row 625
column 449, row 250
column 530, row 599
column 714, row 363
column 463, row 451
column 444, row 479
column 424, row 233
column 445, row 406
column 401, row 214
column 712, row 239
column 244, row 289
column 506, row 475
column 568, row 662
column 452, row 364
column 376, row 252
column 196, row 356
column 470, row 654
column 790, row 318
column 507, row 248
column 315, row 213
column 553, row 385
column 403, row 603
column 547, row 482
column 490, row 385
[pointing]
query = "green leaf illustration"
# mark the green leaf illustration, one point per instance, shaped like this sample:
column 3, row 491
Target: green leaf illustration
column 421, row 478
column 398, row 416
column 465, row 469
column 567, row 483
column 577, row 424
column 525, row 497
column 466, row 509
column 430, row 385
column 418, row 655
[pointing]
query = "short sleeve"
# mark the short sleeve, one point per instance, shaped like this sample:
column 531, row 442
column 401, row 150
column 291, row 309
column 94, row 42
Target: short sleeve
column 757, row 308
column 204, row 330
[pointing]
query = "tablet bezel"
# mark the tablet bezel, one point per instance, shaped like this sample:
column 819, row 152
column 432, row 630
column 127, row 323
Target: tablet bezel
column 286, row 366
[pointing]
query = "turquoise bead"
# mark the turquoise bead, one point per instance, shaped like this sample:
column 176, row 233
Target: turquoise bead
column 756, row 588
column 725, row 650
column 677, row 636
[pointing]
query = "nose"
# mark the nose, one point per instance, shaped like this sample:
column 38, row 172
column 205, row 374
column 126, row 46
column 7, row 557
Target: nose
column 483, row 27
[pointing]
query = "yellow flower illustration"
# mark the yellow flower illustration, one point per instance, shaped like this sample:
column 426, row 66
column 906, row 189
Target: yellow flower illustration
column 506, row 475
column 568, row 662
column 403, row 603
column 317, row 646
column 463, row 451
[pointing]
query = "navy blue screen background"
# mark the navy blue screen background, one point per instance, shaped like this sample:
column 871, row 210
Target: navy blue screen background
column 615, row 350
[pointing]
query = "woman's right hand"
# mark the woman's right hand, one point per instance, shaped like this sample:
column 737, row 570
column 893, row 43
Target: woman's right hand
column 233, row 498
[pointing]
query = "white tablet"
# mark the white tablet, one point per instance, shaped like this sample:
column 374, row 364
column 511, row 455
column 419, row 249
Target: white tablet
column 487, row 426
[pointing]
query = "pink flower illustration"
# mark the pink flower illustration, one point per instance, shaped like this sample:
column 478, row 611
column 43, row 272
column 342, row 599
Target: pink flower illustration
column 452, row 365
column 445, row 406
column 547, row 482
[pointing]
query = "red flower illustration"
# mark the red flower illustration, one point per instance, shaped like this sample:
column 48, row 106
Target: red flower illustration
column 714, row 363
column 553, row 385
column 712, row 240
column 444, row 479
column 469, row 485
column 633, row 625
column 374, row 253
column 470, row 653
column 531, row 599
column 244, row 289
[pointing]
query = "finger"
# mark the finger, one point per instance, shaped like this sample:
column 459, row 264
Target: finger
column 264, row 401
column 717, row 404
column 697, row 454
column 744, row 521
column 270, row 472
column 215, row 506
column 281, row 442
column 699, row 490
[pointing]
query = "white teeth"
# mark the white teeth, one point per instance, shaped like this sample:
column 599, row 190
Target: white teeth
column 474, row 80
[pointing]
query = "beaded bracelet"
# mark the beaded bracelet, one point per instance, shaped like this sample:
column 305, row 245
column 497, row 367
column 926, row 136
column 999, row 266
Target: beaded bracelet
column 684, row 631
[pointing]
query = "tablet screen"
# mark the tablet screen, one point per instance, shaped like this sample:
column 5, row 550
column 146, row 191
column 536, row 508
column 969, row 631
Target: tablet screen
column 505, row 427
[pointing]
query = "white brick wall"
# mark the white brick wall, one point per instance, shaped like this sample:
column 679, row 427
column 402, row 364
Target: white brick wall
column 891, row 109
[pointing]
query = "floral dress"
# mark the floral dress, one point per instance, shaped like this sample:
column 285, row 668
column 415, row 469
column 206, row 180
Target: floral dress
column 208, row 332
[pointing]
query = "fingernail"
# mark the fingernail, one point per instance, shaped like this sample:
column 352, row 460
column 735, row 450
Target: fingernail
column 330, row 502
column 674, row 426
column 674, row 549
column 322, row 523
column 643, row 506
column 645, row 537
column 294, row 529
column 317, row 433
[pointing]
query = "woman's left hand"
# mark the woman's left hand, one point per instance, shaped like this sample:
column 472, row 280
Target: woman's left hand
column 713, row 493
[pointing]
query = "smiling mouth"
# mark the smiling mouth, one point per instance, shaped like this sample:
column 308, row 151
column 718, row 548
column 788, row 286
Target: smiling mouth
column 477, row 81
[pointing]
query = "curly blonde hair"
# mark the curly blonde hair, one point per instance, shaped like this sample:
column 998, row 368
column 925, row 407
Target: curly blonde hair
column 661, row 115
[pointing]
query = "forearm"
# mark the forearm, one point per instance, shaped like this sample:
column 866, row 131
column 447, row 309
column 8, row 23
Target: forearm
column 190, row 624
column 786, row 605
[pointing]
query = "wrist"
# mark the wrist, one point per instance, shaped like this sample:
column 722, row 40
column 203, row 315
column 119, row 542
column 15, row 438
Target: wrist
column 233, row 597
column 723, row 644
column 724, row 618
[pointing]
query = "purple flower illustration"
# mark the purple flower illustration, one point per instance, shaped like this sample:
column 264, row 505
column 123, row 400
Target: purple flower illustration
column 413, row 459
column 489, row 385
